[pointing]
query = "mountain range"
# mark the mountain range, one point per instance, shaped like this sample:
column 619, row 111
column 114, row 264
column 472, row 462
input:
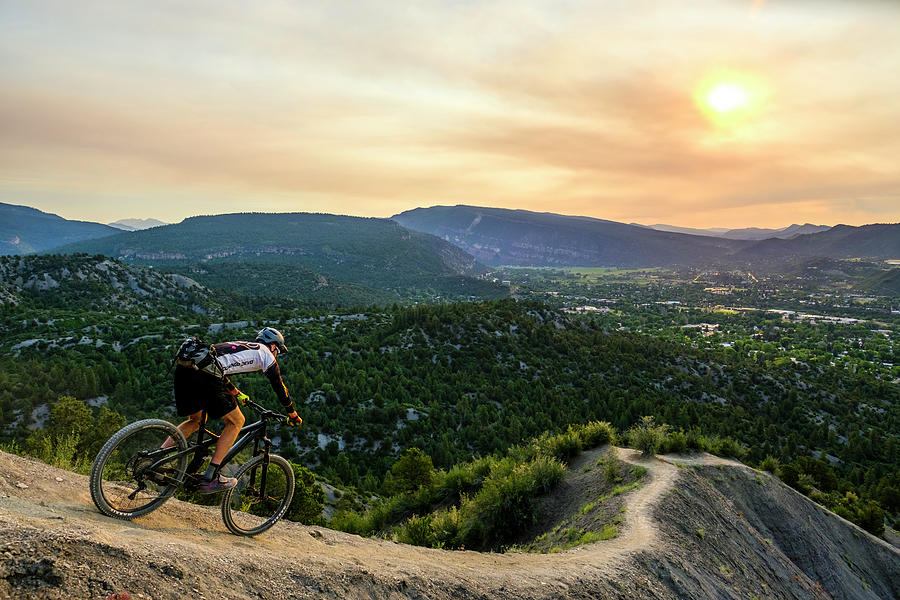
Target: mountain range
column 518, row 237
column 498, row 236
column 136, row 224
column 325, row 259
column 747, row 233
column 378, row 258
column 25, row 230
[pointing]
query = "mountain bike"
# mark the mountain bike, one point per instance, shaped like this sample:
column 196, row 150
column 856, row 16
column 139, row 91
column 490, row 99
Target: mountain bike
column 133, row 474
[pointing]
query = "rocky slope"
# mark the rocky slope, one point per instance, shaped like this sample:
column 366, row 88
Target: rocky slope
column 701, row 528
column 95, row 283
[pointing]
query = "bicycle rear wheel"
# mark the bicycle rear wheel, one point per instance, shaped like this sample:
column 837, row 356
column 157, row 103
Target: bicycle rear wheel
column 262, row 495
column 122, row 484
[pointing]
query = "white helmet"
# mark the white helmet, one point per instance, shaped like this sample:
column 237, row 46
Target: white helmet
column 270, row 335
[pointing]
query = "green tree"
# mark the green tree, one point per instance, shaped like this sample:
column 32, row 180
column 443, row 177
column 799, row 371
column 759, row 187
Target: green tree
column 69, row 416
column 412, row 471
column 309, row 498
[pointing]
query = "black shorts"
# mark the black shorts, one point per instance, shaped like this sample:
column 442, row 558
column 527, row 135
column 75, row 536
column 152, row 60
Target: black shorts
column 196, row 391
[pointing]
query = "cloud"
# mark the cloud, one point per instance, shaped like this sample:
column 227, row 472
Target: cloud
column 577, row 107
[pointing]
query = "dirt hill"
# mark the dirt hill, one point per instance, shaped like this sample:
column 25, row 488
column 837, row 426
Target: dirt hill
column 698, row 527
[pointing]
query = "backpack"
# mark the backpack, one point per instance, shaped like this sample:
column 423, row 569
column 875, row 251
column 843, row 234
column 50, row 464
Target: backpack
column 196, row 354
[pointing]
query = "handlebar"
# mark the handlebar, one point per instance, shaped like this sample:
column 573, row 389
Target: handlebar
column 264, row 412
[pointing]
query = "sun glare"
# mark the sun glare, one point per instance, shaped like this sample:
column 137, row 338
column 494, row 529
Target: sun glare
column 728, row 99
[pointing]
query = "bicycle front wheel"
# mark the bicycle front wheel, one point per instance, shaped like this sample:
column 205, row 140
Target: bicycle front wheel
column 131, row 476
column 262, row 495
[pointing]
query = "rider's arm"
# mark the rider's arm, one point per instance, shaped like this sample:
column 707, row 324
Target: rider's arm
column 274, row 375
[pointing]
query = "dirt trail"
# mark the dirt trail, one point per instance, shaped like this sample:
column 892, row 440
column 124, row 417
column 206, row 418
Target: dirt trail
column 54, row 545
column 59, row 502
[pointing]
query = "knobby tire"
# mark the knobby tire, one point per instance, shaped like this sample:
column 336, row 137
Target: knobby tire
column 117, row 472
column 245, row 509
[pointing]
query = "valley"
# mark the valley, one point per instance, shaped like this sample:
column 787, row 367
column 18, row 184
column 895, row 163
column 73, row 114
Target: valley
column 409, row 356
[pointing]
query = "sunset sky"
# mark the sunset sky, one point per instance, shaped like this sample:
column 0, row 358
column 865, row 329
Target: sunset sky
column 700, row 113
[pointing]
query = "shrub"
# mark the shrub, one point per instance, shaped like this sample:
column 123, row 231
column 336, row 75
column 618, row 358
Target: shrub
column 350, row 522
column 674, row 443
column 647, row 436
column 790, row 475
column 445, row 527
column 731, row 447
column 870, row 517
column 770, row 464
column 465, row 477
column 309, row 498
column 417, row 531
column 696, row 440
column 595, row 433
column 506, row 502
column 545, row 473
column 60, row 451
column 611, row 470
column 563, row 446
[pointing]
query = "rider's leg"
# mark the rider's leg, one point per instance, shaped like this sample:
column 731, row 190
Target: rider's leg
column 188, row 427
column 234, row 420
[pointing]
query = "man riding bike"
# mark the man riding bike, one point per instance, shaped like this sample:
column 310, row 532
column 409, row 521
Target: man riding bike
column 196, row 391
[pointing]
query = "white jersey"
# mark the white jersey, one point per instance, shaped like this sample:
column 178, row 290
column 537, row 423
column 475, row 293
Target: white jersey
column 243, row 357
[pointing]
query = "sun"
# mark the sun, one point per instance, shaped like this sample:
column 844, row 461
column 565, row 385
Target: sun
column 729, row 98
column 726, row 97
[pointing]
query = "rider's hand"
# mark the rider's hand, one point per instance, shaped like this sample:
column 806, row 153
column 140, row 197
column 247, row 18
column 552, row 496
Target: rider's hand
column 242, row 398
column 294, row 420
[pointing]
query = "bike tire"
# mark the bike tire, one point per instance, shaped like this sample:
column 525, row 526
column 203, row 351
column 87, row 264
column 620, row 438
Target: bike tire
column 116, row 474
column 246, row 510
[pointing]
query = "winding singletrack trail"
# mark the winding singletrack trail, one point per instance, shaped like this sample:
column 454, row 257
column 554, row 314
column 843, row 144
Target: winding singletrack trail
column 698, row 527
column 56, row 501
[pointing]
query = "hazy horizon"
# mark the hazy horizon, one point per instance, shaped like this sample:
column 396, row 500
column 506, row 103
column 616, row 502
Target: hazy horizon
column 72, row 215
column 724, row 113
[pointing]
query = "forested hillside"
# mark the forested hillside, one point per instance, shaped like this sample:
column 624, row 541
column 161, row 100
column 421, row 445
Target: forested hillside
column 469, row 379
column 24, row 230
column 316, row 259
column 519, row 237
column 523, row 238
column 842, row 241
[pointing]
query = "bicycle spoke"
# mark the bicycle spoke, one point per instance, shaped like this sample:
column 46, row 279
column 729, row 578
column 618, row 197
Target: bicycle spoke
column 128, row 479
column 247, row 509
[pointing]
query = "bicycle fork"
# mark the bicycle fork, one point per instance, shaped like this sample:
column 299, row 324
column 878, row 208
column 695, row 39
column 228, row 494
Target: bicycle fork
column 267, row 443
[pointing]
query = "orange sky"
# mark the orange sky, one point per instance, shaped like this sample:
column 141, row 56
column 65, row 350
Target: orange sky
column 165, row 109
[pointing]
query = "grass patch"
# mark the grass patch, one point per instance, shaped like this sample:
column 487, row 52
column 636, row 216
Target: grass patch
column 608, row 532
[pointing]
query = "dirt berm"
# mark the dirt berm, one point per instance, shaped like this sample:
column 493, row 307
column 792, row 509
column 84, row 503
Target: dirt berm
column 704, row 528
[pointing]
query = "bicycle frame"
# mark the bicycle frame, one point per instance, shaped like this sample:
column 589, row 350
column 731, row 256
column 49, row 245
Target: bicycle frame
column 255, row 432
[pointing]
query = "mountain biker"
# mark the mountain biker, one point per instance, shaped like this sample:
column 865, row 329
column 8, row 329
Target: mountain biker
column 196, row 391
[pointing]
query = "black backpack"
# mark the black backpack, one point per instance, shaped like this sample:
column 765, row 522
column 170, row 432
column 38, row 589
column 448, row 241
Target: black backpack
column 196, row 354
